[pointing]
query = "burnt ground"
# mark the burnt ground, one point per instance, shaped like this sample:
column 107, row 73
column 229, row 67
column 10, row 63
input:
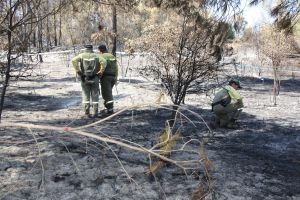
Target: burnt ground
column 259, row 160
column 264, row 164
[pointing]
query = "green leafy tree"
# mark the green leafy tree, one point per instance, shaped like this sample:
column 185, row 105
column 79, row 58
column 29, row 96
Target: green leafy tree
column 286, row 13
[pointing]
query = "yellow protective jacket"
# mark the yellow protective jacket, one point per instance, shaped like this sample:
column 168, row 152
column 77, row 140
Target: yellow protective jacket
column 88, row 55
column 108, row 57
column 228, row 93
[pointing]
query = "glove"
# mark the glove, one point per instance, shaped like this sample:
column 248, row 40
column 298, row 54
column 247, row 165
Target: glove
column 100, row 74
column 79, row 73
column 239, row 103
column 82, row 76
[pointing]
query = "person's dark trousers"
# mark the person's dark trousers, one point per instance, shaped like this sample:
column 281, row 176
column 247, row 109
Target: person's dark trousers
column 107, row 84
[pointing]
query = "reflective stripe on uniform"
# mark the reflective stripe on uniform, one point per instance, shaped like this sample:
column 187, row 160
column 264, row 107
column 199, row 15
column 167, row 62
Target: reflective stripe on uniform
column 89, row 59
column 86, row 102
column 109, row 102
column 94, row 102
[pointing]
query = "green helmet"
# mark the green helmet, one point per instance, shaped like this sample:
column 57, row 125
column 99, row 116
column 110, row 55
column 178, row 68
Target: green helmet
column 235, row 81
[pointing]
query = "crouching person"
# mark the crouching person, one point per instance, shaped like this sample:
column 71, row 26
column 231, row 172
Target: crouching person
column 88, row 67
column 227, row 105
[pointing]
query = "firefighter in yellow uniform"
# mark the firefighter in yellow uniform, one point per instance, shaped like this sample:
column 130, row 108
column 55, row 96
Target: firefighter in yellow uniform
column 89, row 67
column 109, row 78
column 227, row 105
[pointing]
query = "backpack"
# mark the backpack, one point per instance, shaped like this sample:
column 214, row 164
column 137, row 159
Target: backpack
column 225, row 101
column 111, row 67
column 89, row 67
column 222, row 97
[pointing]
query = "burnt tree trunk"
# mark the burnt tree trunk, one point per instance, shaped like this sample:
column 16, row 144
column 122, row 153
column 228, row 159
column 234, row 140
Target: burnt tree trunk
column 55, row 31
column 40, row 37
column 7, row 71
column 48, row 34
column 60, row 27
column 114, row 22
column 276, row 82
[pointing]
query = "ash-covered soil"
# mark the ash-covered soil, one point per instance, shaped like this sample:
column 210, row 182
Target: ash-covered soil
column 259, row 160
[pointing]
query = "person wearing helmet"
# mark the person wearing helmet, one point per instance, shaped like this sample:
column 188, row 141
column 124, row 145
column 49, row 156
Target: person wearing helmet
column 227, row 105
column 109, row 78
column 88, row 66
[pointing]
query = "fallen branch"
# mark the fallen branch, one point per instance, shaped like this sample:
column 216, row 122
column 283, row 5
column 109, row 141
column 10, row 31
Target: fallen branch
column 90, row 135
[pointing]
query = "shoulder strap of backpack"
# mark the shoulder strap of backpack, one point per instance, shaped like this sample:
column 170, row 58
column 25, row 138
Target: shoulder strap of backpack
column 225, row 88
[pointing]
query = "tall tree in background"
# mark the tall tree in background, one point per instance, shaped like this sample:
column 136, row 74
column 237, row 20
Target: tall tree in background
column 114, row 22
column 104, row 34
column 184, row 52
column 274, row 45
column 286, row 13
column 15, row 15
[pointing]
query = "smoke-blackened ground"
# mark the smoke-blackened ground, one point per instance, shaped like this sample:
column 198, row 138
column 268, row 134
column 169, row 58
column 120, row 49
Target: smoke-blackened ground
column 259, row 160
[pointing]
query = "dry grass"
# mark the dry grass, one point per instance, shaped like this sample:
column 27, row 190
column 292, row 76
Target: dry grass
column 206, row 185
column 166, row 144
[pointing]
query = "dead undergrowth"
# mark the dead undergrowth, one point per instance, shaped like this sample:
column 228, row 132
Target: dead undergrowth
column 165, row 152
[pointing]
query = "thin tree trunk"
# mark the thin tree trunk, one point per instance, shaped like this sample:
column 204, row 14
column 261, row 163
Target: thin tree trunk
column 40, row 37
column 24, row 31
column 48, row 34
column 275, row 85
column 114, row 22
column 33, row 39
column 60, row 25
column 55, row 33
column 7, row 71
